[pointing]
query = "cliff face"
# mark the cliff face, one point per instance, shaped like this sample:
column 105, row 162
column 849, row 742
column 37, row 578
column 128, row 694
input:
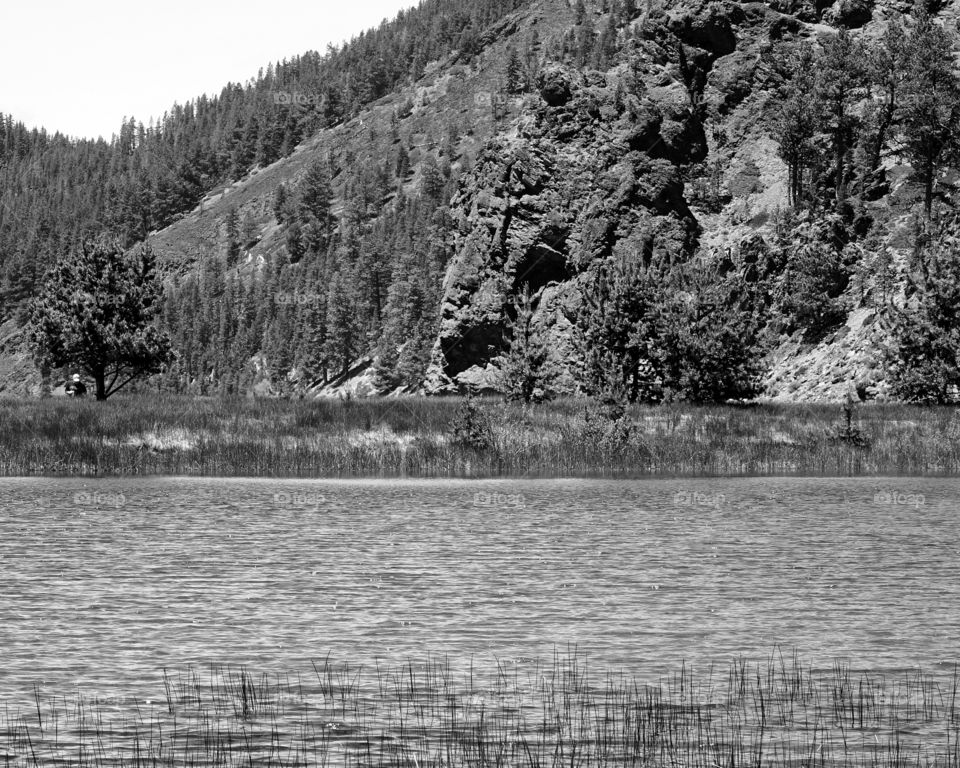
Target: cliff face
column 587, row 171
column 592, row 167
column 597, row 164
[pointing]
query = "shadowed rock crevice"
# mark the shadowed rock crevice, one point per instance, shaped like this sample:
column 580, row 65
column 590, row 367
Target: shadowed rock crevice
column 540, row 266
column 477, row 344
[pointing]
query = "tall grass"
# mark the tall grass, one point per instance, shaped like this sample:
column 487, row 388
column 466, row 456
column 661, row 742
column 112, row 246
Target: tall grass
column 776, row 714
column 415, row 437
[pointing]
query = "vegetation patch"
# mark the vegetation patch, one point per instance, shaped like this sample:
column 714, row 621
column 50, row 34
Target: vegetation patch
column 475, row 437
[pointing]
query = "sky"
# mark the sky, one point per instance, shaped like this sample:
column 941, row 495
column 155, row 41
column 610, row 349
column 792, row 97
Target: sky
column 81, row 66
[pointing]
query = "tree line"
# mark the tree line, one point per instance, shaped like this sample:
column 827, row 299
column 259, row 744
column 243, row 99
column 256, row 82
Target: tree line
column 850, row 104
column 57, row 192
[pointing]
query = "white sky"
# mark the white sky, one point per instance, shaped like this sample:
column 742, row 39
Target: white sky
column 81, row 66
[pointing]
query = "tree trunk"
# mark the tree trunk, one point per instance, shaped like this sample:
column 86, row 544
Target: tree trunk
column 885, row 122
column 100, row 380
column 839, row 172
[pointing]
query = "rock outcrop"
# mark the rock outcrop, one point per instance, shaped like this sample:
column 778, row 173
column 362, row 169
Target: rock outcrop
column 588, row 171
column 599, row 164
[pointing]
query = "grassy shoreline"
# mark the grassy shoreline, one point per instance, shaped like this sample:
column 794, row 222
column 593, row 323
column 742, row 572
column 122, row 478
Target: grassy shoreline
column 413, row 437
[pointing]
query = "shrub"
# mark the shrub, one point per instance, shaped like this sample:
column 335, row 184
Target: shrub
column 471, row 426
column 924, row 358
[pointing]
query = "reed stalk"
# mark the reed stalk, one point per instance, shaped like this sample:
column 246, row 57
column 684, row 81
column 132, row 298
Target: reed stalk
column 779, row 713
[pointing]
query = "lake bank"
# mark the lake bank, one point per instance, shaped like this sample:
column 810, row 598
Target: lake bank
column 417, row 437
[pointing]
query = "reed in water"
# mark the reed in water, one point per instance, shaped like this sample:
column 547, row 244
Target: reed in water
column 776, row 714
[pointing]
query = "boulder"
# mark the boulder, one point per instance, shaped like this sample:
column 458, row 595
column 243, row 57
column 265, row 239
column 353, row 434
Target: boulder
column 555, row 84
column 852, row 13
column 709, row 27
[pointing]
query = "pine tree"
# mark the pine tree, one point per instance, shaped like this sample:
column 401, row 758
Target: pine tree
column 515, row 80
column 315, row 194
column 886, row 61
column 399, row 321
column 344, row 342
column 96, row 312
column 840, row 85
column 311, row 329
column 525, row 371
column 606, row 45
column 402, row 166
column 816, row 272
column 797, row 124
column 315, row 197
column 231, row 228
column 295, row 242
column 707, row 348
column 929, row 113
column 432, row 182
column 650, row 331
column 614, row 326
column 585, row 43
column 280, row 203
column 579, row 12
column 531, row 55
column 924, row 358
column 244, row 150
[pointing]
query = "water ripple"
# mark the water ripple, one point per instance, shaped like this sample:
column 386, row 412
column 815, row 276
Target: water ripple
column 107, row 583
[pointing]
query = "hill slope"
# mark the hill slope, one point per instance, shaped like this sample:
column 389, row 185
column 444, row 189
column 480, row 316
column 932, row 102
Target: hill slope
column 559, row 136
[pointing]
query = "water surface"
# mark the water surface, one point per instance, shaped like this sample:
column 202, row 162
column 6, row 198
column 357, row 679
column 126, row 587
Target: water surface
column 106, row 583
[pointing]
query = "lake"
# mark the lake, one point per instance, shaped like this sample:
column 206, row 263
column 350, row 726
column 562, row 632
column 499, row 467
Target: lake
column 108, row 583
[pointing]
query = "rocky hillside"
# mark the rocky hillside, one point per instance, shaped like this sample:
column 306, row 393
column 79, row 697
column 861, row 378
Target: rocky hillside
column 589, row 169
column 663, row 142
column 585, row 172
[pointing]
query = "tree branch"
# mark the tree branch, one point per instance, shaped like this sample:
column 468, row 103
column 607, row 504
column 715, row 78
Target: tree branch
column 121, row 385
